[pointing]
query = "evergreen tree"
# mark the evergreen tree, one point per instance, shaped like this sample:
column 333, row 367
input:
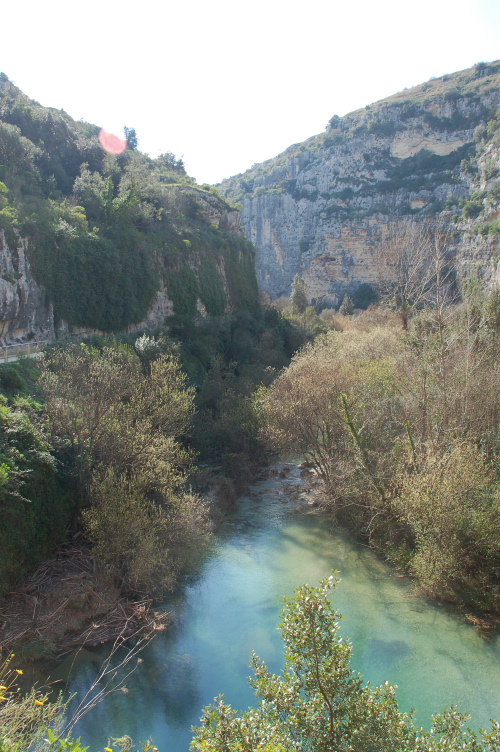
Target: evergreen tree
column 347, row 306
column 319, row 704
column 298, row 298
column 131, row 138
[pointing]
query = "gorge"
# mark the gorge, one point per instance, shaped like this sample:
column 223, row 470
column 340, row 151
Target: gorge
column 114, row 441
column 321, row 209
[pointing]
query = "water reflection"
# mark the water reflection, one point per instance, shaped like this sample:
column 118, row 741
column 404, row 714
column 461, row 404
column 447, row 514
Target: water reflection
column 231, row 606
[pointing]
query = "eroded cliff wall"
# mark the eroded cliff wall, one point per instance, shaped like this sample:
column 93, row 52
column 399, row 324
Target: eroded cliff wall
column 321, row 209
column 27, row 314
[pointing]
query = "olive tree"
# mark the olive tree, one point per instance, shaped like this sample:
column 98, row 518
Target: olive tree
column 123, row 427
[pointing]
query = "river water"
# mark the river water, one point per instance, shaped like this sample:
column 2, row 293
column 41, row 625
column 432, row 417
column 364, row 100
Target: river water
column 231, row 606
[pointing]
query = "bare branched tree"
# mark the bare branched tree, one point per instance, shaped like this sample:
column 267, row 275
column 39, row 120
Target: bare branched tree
column 409, row 262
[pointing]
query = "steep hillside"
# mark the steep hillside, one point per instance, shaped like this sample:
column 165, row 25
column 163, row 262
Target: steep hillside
column 92, row 240
column 321, row 208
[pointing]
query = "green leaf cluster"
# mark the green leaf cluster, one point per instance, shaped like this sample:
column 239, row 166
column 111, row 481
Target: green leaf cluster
column 36, row 499
column 123, row 424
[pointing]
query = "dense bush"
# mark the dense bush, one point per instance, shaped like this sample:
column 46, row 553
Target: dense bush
column 451, row 505
column 403, row 430
column 226, row 358
column 364, row 296
column 37, row 498
column 142, row 542
column 473, row 206
column 122, row 424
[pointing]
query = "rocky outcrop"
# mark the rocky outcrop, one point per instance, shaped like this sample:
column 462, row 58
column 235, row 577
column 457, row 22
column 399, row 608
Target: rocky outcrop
column 25, row 313
column 321, row 208
column 218, row 213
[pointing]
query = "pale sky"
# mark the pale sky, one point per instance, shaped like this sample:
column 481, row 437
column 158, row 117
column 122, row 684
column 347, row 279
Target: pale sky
column 227, row 84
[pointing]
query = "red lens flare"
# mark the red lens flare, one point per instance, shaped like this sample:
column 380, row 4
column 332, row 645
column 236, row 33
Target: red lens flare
column 112, row 143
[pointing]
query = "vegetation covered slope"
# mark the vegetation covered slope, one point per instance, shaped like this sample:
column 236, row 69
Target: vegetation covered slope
column 106, row 232
column 111, row 238
column 471, row 84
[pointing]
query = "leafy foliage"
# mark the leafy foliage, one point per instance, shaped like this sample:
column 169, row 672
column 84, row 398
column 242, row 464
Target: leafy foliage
column 347, row 306
column 453, row 510
column 142, row 542
column 24, row 720
column 122, row 424
column 364, row 296
column 403, row 431
column 227, row 357
column 36, row 499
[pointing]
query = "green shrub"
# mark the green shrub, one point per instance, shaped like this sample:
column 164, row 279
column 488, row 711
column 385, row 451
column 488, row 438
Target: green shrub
column 489, row 228
column 454, row 513
column 473, row 206
column 37, row 495
column 128, row 533
column 183, row 290
column 12, row 380
column 211, row 288
column 364, row 296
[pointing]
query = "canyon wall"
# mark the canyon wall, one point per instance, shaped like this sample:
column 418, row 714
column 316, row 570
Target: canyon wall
column 322, row 208
column 27, row 314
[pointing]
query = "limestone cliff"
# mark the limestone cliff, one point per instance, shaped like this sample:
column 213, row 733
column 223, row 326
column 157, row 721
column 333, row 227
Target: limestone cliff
column 322, row 207
column 25, row 312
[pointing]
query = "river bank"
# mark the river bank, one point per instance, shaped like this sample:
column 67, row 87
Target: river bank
column 68, row 603
column 230, row 605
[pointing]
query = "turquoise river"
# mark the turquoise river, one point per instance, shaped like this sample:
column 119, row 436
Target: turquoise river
column 231, row 606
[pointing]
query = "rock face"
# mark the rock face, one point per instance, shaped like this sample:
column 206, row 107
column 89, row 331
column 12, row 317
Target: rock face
column 321, row 209
column 26, row 314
